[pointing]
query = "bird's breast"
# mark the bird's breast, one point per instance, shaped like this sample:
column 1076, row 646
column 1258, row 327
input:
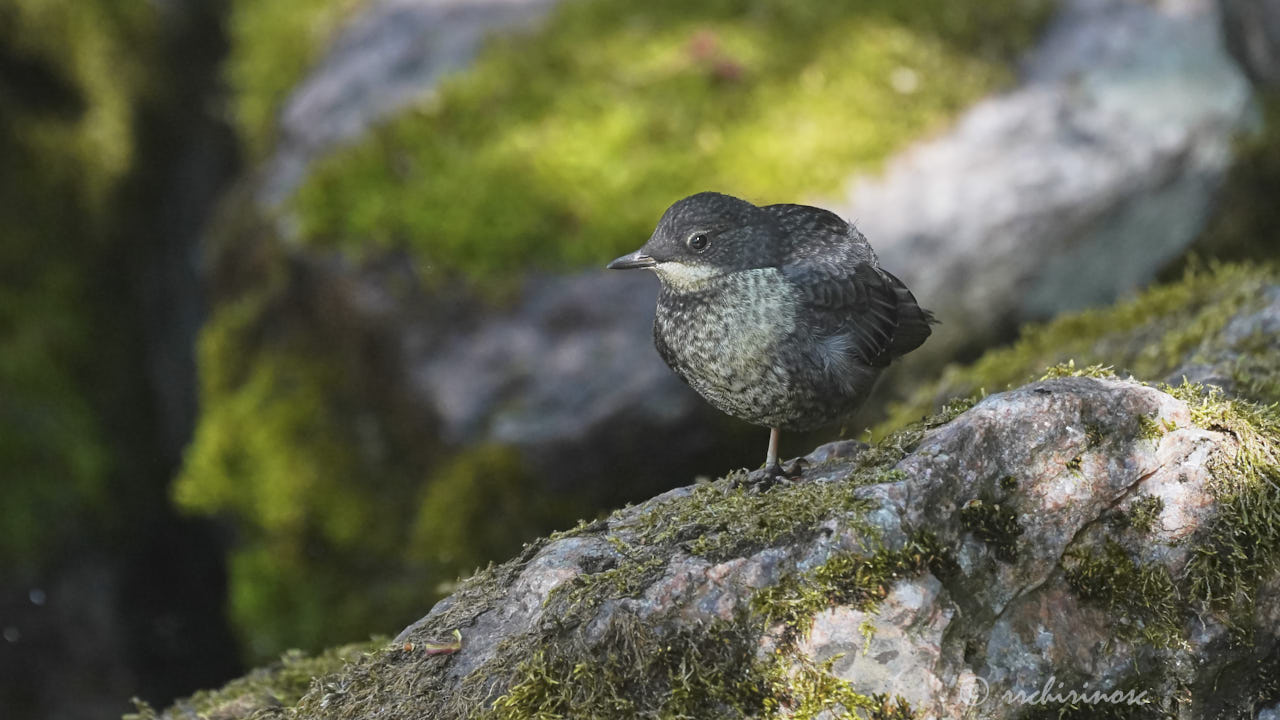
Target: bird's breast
column 724, row 336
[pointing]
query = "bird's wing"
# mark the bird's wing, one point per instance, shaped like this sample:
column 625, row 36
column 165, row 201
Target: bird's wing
column 852, row 305
column 852, row 308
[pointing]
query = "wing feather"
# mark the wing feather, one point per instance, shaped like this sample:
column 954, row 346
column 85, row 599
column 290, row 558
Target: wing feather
column 848, row 301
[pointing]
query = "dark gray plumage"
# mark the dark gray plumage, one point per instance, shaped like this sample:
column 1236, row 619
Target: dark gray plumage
column 779, row 315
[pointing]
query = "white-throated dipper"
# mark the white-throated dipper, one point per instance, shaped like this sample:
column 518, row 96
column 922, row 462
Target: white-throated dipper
column 779, row 315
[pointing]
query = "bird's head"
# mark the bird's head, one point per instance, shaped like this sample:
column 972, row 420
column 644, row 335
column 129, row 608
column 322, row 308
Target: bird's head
column 704, row 236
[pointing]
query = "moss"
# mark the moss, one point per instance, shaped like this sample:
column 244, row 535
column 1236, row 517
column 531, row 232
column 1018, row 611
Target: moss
column 1144, row 512
column 272, row 46
column 995, row 525
column 719, row 523
column 454, row 530
column 641, row 669
column 1240, row 548
column 1142, row 600
column 593, row 657
column 860, row 580
column 1149, row 337
column 561, row 147
column 1236, row 551
column 646, row 672
column 328, row 488
column 72, row 74
column 1255, row 373
column 269, row 688
column 809, row 692
column 1076, row 463
column 1149, row 429
column 648, row 667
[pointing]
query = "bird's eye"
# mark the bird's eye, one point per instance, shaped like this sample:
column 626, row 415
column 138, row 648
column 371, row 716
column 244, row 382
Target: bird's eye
column 699, row 241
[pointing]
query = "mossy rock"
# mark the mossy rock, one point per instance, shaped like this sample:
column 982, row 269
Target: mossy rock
column 1161, row 330
column 328, row 484
column 560, row 146
column 702, row 601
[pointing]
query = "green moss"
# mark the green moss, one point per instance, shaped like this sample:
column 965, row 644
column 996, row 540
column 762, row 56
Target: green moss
column 1149, row 429
column 455, row 531
column 646, row 672
column 1142, row 600
column 994, row 524
column 807, row 691
column 74, row 72
column 283, row 449
column 1144, row 512
column 332, row 485
column 861, row 580
column 1236, row 551
column 1240, row 548
column 719, row 523
column 1255, row 373
column 592, row 657
column 1149, row 337
column 269, row 688
column 272, row 46
column 645, row 668
column 561, row 147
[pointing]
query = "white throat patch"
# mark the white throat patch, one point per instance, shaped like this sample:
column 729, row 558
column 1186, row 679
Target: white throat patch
column 685, row 277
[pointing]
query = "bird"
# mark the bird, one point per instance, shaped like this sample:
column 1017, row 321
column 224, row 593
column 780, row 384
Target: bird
column 779, row 315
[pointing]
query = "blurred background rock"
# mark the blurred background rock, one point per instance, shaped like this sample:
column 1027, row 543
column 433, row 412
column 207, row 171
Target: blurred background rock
column 301, row 315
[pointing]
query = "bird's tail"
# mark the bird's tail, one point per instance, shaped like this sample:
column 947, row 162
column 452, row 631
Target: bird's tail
column 913, row 321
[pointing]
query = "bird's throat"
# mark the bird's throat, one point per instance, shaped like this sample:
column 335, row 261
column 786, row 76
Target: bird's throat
column 684, row 277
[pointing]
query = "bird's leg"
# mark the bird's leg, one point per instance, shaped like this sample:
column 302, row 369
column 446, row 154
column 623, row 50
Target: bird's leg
column 771, row 456
column 772, row 472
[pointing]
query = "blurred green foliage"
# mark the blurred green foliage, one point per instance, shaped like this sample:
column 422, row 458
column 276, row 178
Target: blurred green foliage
column 273, row 45
column 279, row 447
column 70, row 76
column 560, row 148
column 556, row 148
column 350, row 517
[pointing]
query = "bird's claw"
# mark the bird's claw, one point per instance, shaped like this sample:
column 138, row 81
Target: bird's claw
column 766, row 477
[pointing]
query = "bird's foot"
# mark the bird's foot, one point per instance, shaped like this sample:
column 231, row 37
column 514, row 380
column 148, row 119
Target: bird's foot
column 766, row 477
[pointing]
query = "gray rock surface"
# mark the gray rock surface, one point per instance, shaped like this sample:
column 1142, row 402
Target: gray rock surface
column 952, row 646
column 1108, row 492
column 568, row 374
column 1075, row 186
column 389, row 55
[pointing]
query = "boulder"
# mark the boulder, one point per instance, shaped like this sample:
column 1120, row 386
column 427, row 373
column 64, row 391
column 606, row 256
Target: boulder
column 1083, row 541
column 1072, row 188
column 387, row 56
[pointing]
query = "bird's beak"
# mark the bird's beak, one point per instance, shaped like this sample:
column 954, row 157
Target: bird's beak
column 632, row 261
